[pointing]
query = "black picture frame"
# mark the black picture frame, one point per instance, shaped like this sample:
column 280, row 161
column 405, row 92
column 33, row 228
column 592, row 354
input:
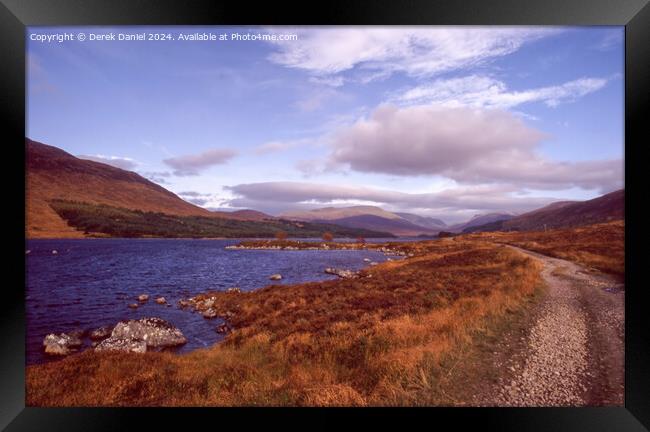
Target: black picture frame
column 15, row 15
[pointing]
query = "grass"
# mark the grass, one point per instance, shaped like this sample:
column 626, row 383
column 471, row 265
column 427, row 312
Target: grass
column 383, row 339
column 599, row 246
column 408, row 332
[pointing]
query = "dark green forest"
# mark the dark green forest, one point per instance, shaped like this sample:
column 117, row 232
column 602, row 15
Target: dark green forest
column 121, row 222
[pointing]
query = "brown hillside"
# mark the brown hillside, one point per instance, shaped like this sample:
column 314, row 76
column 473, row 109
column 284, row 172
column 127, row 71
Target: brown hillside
column 605, row 208
column 599, row 246
column 53, row 173
column 249, row 215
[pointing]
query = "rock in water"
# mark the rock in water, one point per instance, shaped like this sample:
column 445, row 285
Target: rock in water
column 206, row 304
column 117, row 344
column 101, row 333
column 77, row 334
column 275, row 277
column 210, row 313
column 161, row 300
column 133, row 305
column 234, row 290
column 139, row 335
column 62, row 344
column 223, row 328
column 143, row 297
column 345, row 274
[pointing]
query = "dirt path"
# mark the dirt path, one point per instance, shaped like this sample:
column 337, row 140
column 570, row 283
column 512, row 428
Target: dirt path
column 573, row 353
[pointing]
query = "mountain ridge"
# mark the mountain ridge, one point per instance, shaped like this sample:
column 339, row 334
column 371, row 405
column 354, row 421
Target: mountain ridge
column 564, row 214
column 481, row 219
column 52, row 173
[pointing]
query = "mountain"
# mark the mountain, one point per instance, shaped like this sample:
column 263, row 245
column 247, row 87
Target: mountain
column 54, row 174
column 247, row 214
column 399, row 227
column 332, row 213
column 368, row 217
column 564, row 214
column 71, row 197
column 423, row 221
column 480, row 220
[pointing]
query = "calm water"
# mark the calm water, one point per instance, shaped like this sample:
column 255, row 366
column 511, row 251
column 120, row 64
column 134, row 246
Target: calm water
column 91, row 282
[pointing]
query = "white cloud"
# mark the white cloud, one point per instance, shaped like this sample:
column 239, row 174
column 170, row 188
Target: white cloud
column 416, row 51
column 332, row 81
column 483, row 91
column 159, row 177
column 189, row 165
column 467, row 145
column 276, row 146
column 453, row 204
column 124, row 163
column 317, row 98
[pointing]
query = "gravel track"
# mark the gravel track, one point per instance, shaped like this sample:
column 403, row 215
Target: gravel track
column 574, row 352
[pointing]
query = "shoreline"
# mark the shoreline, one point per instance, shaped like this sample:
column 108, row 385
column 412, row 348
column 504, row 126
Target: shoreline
column 338, row 341
column 396, row 239
column 188, row 305
column 388, row 310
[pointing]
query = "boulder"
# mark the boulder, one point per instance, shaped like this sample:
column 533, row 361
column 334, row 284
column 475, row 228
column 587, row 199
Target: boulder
column 161, row 300
column 139, row 335
column 184, row 303
column 210, row 313
column 54, row 252
column 61, row 344
column 119, row 344
column 367, row 260
column 133, row 305
column 143, row 297
column 345, row 274
column 155, row 331
column 275, row 276
column 101, row 333
column 223, row 328
column 227, row 315
column 77, row 334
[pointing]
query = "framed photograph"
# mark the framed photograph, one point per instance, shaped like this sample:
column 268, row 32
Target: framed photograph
column 377, row 206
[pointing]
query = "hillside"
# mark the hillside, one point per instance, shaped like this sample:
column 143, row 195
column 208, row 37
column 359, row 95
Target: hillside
column 101, row 191
column 564, row 214
column 54, row 174
column 424, row 221
column 480, row 220
column 371, row 217
column 399, row 227
column 102, row 220
column 248, row 215
column 331, row 213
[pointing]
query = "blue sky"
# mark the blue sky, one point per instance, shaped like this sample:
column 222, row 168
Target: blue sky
column 441, row 121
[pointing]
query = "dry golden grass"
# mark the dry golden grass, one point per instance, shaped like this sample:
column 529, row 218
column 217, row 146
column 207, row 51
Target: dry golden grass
column 600, row 246
column 379, row 340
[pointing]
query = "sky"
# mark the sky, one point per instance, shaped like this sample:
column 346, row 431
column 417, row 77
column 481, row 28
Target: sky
column 447, row 122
